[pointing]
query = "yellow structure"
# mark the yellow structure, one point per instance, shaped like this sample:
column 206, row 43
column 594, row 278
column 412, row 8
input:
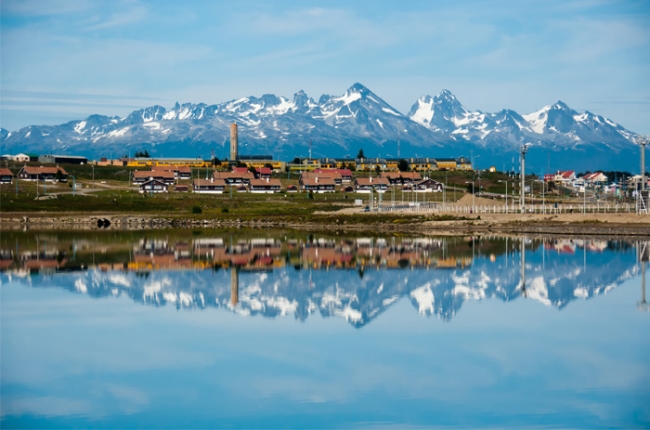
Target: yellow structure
column 259, row 163
column 423, row 164
column 370, row 164
column 307, row 165
column 148, row 162
column 446, row 163
column 464, row 164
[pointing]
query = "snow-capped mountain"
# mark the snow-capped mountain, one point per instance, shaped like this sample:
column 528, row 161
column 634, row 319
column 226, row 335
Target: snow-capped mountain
column 337, row 126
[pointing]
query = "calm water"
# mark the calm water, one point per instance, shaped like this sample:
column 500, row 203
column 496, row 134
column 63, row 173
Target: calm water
column 283, row 329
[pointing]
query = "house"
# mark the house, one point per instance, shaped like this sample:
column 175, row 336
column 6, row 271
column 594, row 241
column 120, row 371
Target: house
column 596, row 178
column 263, row 173
column 334, row 173
column 549, row 177
column 367, row 185
column 21, row 158
column 6, row 176
column 394, row 178
column 142, row 176
column 153, row 186
column 239, row 177
column 41, row 173
column 265, row 186
column 180, row 172
column 323, row 184
column 346, row 175
column 565, row 176
column 320, row 173
column 410, row 177
column 205, row 186
column 401, row 178
column 427, row 185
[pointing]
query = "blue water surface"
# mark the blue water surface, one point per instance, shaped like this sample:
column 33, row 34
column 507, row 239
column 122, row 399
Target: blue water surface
column 297, row 346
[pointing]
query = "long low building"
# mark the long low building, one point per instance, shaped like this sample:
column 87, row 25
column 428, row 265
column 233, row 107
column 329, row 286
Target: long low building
column 60, row 159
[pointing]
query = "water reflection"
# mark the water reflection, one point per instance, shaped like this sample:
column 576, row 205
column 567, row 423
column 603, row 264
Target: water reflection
column 354, row 278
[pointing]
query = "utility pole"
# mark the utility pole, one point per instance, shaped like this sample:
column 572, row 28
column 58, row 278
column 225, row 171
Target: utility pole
column 523, row 150
column 642, row 141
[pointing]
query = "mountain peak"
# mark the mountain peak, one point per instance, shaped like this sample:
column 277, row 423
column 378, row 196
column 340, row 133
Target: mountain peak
column 446, row 93
column 561, row 105
column 358, row 88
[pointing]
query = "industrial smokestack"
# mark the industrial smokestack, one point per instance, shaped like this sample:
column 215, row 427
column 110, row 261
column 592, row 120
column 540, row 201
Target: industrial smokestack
column 234, row 147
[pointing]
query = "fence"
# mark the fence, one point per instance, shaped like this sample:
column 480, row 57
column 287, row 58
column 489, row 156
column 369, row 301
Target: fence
column 549, row 209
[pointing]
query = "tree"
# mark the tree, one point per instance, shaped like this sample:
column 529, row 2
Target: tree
column 59, row 175
column 377, row 169
column 142, row 154
column 352, row 167
column 470, row 188
column 216, row 161
column 361, row 154
column 297, row 160
column 403, row 165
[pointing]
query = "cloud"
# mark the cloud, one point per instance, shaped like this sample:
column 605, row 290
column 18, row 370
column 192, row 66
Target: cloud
column 134, row 14
column 43, row 7
column 44, row 406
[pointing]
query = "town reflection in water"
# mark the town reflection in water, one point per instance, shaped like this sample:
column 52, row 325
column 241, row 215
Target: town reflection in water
column 284, row 273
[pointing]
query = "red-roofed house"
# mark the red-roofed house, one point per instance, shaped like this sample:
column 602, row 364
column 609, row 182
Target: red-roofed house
column 6, row 176
column 565, row 176
column 366, row 185
column 263, row 173
column 204, row 186
column 265, row 186
column 323, row 184
column 28, row 173
column 595, row 178
column 142, row 176
column 180, row 172
column 235, row 178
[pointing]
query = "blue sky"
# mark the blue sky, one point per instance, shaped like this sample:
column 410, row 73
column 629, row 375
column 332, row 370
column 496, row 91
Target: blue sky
column 64, row 60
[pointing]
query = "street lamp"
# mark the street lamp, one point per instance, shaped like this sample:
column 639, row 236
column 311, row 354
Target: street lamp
column 506, row 194
column 473, row 192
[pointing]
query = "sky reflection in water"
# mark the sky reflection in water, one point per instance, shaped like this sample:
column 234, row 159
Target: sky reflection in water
column 220, row 329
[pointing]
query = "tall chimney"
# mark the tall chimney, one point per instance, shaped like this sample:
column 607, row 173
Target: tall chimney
column 234, row 154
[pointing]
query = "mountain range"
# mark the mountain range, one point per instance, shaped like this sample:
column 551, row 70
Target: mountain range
column 338, row 126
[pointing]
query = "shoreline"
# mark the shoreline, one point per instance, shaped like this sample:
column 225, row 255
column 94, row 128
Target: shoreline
column 611, row 225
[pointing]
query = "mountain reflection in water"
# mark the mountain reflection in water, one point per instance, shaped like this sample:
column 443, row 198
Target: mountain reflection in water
column 286, row 273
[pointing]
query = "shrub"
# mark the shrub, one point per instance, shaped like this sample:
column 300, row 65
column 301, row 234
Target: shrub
column 224, row 210
column 197, row 210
